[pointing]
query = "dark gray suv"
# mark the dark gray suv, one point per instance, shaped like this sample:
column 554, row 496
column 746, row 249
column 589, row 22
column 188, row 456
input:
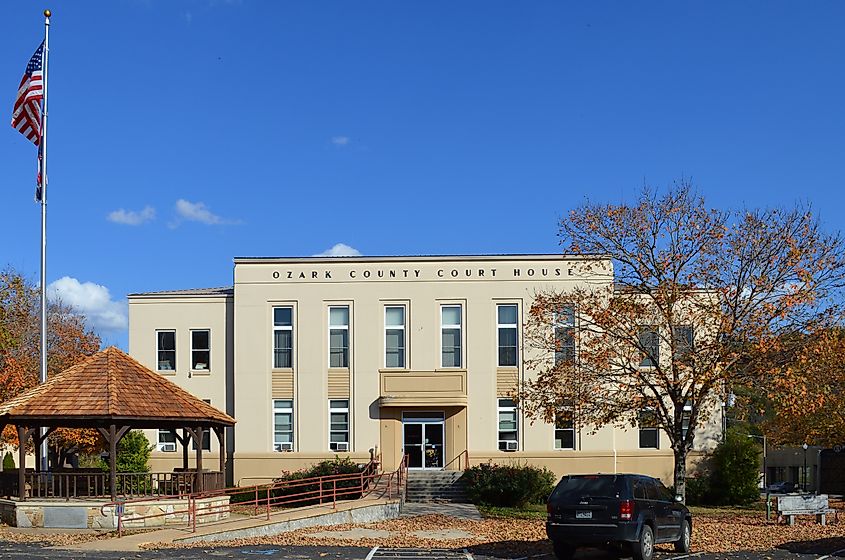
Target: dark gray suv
column 633, row 510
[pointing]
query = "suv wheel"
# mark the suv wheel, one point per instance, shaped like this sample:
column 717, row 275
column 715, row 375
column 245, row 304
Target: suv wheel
column 644, row 549
column 563, row 551
column 683, row 543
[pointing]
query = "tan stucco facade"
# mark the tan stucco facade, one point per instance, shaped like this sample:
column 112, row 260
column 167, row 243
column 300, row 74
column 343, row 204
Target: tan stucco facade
column 243, row 376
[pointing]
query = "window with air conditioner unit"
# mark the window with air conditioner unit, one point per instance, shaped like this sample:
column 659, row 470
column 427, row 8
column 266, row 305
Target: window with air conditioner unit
column 508, row 425
column 339, row 425
column 283, row 424
column 166, row 441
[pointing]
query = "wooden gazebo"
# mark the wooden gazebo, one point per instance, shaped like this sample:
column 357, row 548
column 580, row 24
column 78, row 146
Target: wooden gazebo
column 113, row 393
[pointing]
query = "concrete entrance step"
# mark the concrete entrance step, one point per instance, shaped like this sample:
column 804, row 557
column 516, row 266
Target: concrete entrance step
column 435, row 486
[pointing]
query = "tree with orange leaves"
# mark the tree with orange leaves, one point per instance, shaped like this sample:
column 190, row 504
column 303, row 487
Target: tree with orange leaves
column 69, row 342
column 807, row 394
column 697, row 301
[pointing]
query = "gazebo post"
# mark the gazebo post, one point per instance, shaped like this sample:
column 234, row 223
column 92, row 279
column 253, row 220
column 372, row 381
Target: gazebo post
column 22, row 435
column 198, row 438
column 221, row 441
column 185, row 440
column 113, row 461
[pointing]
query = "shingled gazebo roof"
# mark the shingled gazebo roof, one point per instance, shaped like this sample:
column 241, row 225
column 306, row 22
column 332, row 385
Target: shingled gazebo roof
column 107, row 388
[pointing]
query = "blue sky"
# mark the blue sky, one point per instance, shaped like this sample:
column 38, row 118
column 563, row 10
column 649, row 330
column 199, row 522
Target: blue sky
column 183, row 133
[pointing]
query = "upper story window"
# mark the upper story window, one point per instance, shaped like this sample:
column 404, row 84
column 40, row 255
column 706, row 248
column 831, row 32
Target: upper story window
column 166, row 350
column 507, row 330
column 683, row 336
column 394, row 336
column 201, row 350
column 283, row 425
column 339, row 425
column 508, row 425
column 339, row 337
column 283, row 337
column 564, row 334
column 451, row 336
column 565, row 429
column 649, row 432
column 650, row 346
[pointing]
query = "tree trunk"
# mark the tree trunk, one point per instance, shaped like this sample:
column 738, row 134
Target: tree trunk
column 680, row 453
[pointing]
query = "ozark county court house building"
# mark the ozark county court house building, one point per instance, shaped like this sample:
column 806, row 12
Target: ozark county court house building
column 324, row 356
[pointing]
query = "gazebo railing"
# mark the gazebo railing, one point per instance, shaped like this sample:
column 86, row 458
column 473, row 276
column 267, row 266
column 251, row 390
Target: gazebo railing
column 80, row 485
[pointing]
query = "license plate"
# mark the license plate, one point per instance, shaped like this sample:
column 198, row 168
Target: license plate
column 583, row 515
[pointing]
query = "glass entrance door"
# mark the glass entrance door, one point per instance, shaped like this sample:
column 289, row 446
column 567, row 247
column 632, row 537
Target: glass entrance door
column 423, row 439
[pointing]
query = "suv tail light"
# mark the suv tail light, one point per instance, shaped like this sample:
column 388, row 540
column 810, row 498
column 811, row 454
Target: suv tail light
column 626, row 510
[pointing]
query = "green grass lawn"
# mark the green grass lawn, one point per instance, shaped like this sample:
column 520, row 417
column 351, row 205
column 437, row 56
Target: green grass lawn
column 531, row 511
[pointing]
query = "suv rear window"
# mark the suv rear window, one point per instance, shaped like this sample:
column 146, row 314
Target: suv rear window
column 594, row 486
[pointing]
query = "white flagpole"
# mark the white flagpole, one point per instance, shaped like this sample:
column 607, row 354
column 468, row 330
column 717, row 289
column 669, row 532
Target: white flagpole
column 43, row 148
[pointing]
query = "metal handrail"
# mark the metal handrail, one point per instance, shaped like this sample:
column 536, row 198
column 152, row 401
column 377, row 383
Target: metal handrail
column 320, row 489
column 461, row 466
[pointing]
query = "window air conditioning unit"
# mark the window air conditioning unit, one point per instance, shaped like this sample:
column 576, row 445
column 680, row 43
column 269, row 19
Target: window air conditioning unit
column 169, row 447
column 286, row 446
column 342, row 446
column 511, row 446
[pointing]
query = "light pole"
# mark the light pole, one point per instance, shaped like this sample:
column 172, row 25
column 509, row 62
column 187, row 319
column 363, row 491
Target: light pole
column 805, row 446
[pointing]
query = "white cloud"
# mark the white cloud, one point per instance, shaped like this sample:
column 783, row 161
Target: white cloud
column 132, row 218
column 340, row 140
column 91, row 300
column 198, row 212
column 340, row 250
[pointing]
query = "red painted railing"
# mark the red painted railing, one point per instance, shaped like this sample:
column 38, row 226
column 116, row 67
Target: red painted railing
column 283, row 494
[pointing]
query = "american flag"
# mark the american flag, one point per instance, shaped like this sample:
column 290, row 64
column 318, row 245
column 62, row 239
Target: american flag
column 26, row 117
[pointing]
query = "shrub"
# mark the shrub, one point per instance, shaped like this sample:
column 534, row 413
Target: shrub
column 336, row 466
column 508, row 485
column 133, row 456
column 8, row 461
column 698, row 490
column 736, row 470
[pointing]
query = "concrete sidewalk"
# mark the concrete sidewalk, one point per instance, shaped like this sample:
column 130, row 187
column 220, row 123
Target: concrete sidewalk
column 240, row 526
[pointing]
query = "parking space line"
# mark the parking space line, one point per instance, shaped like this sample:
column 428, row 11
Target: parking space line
column 834, row 553
column 684, row 556
column 371, row 553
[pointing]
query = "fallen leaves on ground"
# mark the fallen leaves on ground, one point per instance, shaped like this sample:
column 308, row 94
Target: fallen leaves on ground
column 711, row 533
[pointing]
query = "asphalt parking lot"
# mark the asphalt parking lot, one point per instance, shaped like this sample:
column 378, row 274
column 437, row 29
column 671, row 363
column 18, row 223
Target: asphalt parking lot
column 27, row 552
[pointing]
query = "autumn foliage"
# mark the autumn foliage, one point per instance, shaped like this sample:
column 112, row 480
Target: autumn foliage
column 69, row 342
column 698, row 300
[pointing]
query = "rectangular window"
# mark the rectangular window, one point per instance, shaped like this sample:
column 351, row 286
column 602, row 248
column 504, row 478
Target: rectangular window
column 649, row 346
column 201, row 350
column 339, row 425
column 565, row 429
column 282, row 425
column 283, row 337
column 394, row 336
column 507, row 330
column 450, row 339
column 508, row 425
column 166, row 350
column 166, row 441
column 685, row 418
column 565, row 334
column 339, row 337
column 649, row 433
column 206, row 436
column 683, row 336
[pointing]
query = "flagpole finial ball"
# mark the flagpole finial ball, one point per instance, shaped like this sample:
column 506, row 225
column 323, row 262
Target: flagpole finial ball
column 47, row 13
